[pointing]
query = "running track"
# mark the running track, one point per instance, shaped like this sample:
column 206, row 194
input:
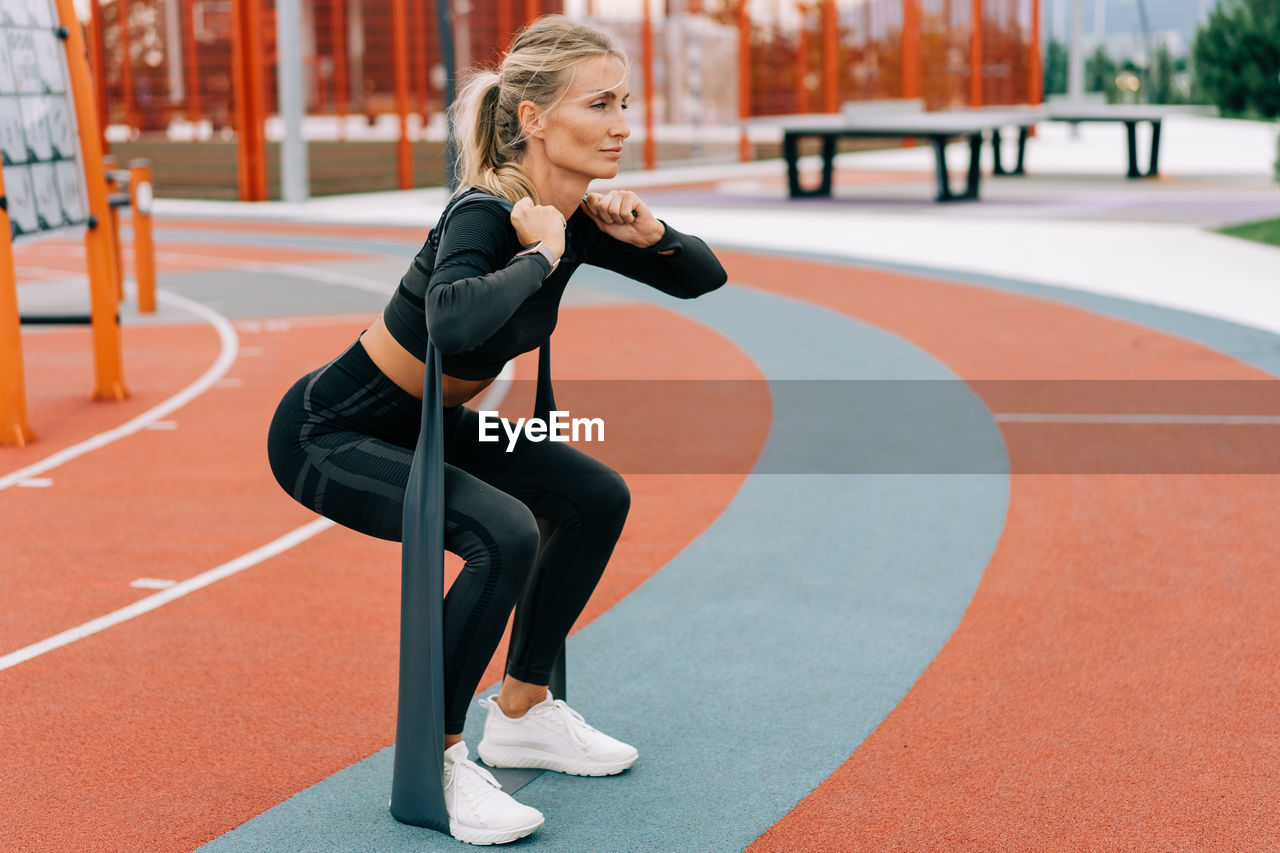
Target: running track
column 996, row 662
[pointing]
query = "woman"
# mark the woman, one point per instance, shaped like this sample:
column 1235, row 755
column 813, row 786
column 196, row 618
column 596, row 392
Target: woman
column 485, row 288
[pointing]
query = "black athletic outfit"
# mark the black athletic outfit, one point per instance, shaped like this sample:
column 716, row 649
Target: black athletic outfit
column 343, row 437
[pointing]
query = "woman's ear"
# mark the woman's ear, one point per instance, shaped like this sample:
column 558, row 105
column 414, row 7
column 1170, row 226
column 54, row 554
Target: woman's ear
column 531, row 119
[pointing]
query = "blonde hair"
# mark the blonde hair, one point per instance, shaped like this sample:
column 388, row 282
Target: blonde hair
column 485, row 116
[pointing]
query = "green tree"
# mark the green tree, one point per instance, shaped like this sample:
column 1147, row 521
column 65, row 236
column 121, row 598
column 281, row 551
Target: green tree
column 1162, row 76
column 1100, row 73
column 1237, row 57
column 1055, row 68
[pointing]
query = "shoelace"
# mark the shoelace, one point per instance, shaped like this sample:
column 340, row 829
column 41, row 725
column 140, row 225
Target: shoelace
column 573, row 721
column 476, row 795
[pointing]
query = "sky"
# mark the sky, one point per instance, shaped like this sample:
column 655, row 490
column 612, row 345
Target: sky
column 1121, row 16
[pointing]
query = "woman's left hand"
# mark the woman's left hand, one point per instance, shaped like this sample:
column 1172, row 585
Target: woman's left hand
column 622, row 215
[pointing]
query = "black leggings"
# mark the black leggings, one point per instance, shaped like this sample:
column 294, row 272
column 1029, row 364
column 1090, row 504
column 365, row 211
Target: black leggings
column 342, row 442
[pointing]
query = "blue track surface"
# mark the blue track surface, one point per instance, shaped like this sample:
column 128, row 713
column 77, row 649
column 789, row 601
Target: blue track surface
column 758, row 659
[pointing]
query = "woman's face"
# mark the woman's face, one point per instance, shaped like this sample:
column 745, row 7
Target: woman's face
column 584, row 133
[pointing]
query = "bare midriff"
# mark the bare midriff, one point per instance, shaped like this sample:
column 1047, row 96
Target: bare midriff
column 402, row 368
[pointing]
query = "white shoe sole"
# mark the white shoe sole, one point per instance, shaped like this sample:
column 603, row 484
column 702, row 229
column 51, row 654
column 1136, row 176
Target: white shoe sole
column 483, row 837
column 524, row 757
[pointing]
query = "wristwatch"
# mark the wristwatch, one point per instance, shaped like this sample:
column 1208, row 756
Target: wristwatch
column 541, row 248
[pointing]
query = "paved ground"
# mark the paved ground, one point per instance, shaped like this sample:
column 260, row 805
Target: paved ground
column 991, row 659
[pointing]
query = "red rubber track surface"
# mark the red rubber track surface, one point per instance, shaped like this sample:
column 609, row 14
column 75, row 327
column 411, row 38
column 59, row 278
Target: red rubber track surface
column 1113, row 684
column 168, row 730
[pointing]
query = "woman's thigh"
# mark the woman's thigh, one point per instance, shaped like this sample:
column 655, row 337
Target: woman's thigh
column 554, row 479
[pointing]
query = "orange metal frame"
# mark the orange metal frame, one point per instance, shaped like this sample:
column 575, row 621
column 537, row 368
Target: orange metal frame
column 250, row 110
column 98, row 62
column 912, row 49
column 802, row 59
column 646, row 50
column 400, row 71
column 975, row 54
column 744, row 78
column 338, row 28
column 99, row 237
column 144, row 247
column 13, row 394
column 191, row 65
column 830, row 60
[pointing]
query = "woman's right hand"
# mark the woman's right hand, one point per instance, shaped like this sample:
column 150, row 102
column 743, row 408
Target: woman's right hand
column 538, row 222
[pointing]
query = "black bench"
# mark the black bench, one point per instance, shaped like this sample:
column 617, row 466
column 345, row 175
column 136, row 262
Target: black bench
column 1130, row 115
column 938, row 128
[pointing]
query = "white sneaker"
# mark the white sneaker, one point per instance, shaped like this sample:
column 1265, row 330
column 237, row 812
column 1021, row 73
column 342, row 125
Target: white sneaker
column 479, row 811
column 552, row 736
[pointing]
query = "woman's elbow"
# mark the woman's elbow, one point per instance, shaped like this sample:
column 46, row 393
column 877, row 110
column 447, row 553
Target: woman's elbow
column 448, row 337
column 708, row 283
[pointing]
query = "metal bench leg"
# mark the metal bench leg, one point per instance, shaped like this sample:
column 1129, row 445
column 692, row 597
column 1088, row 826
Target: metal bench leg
column 1131, row 127
column 828, row 164
column 1153, row 167
column 791, row 151
column 1023, row 132
column 975, row 167
column 944, row 182
column 998, row 168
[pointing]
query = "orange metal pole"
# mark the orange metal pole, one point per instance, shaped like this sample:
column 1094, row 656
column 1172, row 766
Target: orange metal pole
column 418, row 61
column 107, row 348
column 830, row 61
column 247, row 79
column 117, row 263
column 13, row 393
column 975, row 54
column 400, row 73
column 532, row 8
column 126, row 61
column 646, row 51
column 256, row 80
column 338, row 31
column 98, row 63
column 744, row 79
column 1035, row 88
column 239, row 102
column 191, row 64
column 802, row 60
column 144, row 246
column 911, row 49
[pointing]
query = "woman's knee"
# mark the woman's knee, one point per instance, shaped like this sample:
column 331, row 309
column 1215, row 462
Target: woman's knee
column 609, row 497
column 501, row 539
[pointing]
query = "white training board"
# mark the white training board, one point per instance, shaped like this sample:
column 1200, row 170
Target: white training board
column 43, row 165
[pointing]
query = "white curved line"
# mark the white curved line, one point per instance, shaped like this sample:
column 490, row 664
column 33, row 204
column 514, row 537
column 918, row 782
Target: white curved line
column 151, row 602
column 495, row 393
column 230, row 347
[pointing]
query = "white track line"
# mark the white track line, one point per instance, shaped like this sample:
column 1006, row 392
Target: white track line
column 492, row 398
column 230, row 346
column 178, row 590
column 312, row 274
column 1212, row 420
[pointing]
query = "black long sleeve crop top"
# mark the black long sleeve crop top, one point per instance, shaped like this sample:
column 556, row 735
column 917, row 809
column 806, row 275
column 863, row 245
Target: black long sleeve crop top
column 482, row 306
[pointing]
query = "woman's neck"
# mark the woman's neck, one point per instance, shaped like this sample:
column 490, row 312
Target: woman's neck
column 555, row 187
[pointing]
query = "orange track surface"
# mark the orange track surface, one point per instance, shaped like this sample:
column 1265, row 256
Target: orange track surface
column 175, row 727
column 1114, row 682
column 1112, row 685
